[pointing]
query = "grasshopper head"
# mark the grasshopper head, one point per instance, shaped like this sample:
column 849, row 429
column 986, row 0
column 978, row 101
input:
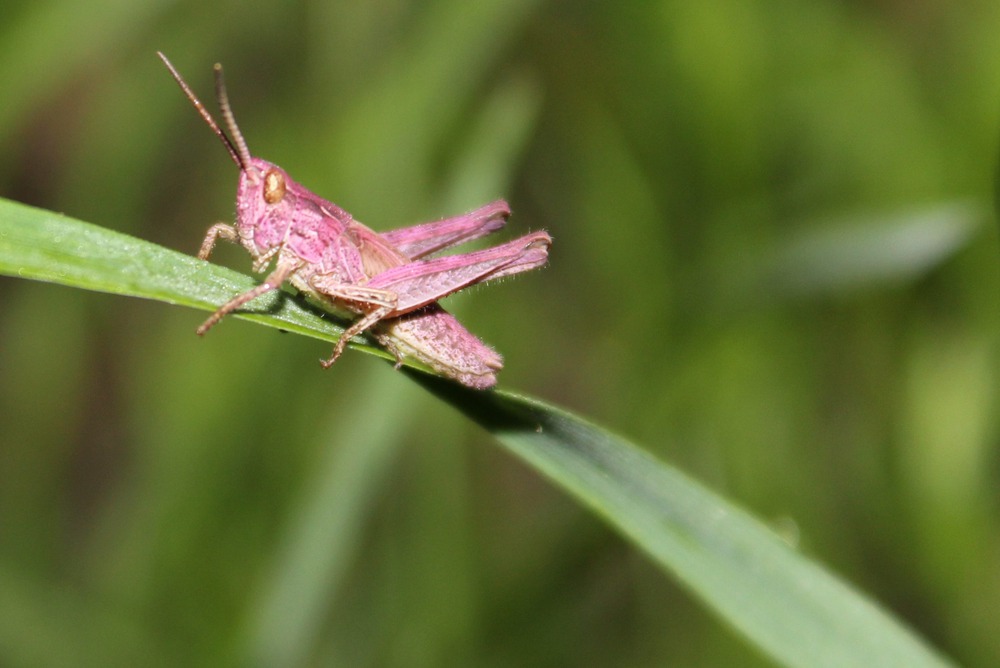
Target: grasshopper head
column 263, row 199
column 262, row 186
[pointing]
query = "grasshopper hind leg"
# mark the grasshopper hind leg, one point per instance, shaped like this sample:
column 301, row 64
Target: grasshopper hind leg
column 437, row 339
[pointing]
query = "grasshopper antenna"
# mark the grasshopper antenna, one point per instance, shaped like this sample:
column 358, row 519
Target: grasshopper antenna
column 241, row 157
column 227, row 114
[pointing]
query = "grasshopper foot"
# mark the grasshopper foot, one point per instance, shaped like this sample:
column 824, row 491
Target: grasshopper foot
column 338, row 350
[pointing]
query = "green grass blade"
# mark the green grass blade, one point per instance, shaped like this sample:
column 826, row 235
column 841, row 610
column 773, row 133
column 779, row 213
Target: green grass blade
column 784, row 603
column 46, row 246
column 787, row 605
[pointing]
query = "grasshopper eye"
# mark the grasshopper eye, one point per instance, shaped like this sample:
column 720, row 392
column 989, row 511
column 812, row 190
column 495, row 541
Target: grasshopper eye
column 274, row 187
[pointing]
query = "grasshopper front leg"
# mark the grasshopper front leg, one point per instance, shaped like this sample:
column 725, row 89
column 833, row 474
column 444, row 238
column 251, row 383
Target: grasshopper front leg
column 216, row 232
column 273, row 281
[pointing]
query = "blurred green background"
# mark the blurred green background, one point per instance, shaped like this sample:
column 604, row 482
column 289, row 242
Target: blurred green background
column 775, row 265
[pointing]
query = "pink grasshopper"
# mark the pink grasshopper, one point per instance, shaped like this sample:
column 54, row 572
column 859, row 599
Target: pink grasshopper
column 341, row 265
